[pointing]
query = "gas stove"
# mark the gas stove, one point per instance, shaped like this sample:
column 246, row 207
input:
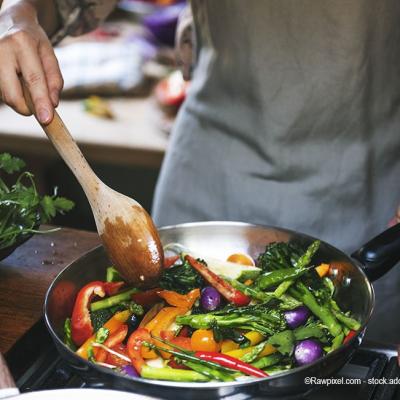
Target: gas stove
column 36, row 365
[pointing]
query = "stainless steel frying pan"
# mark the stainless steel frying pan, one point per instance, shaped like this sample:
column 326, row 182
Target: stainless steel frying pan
column 351, row 276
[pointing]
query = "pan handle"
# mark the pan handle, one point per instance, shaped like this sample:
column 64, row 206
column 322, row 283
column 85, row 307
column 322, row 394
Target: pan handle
column 380, row 254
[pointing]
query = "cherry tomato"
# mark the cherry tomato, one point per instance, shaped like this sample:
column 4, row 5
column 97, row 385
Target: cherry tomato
column 240, row 258
column 114, row 360
column 203, row 340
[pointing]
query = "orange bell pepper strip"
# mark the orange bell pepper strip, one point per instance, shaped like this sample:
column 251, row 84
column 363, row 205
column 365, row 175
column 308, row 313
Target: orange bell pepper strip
column 135, row 345
column 150, row 314
column 112, row 325
column 116, row 338
column 322, row 270
column 161, row 322
column 169, row 336
column 180, row 300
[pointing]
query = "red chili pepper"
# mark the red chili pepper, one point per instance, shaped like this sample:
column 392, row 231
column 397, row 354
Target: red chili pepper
column 231, row 362
column 134, row 347
column 349, row 336
column 112, row 288
column 147, row 298
column 170, row 261
column 225, row 288
column 116, row 338
column 81, row 325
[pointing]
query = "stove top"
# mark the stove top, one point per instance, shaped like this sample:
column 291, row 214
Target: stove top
column 36, row 365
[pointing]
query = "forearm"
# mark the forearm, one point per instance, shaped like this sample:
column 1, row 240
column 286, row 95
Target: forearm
column 44, row 11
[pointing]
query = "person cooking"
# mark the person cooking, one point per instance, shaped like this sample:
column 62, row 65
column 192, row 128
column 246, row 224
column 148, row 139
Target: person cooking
column 292, row 117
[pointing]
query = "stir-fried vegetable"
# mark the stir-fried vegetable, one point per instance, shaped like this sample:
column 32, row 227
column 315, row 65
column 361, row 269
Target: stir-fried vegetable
column 203, row 326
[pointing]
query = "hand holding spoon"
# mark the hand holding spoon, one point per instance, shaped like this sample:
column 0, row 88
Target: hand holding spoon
column 125, row 228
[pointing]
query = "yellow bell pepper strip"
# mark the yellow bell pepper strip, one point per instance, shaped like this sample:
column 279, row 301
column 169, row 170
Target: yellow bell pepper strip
column 228, row 345
column 239, row 353
column 161, row 322
column 151, row 314
column 180, row 300
column 322, row 270
column 112, row 325
column 225, row 288
column 116, row 338
column 254, row 337
column 81, row 325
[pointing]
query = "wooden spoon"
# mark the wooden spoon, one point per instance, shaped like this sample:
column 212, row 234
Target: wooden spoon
column 125, row 228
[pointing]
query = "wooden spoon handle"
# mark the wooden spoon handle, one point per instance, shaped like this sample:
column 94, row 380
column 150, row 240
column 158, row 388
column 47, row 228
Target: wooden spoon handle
column 66, row 146
column 6, row 380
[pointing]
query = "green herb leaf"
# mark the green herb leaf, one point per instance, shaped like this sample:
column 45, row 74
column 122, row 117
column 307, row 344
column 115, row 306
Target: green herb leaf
column 10, row 164
column 283, row 341
column 22, row 209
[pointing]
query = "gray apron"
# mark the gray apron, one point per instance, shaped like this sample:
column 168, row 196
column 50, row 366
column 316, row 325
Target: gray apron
column 293, row 120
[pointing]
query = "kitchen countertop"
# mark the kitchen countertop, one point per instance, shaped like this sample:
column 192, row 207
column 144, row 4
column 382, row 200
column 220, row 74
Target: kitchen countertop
column 134, row 138
column 28, row 272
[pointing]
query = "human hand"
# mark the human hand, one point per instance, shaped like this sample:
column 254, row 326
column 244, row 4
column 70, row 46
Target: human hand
column 25, row 50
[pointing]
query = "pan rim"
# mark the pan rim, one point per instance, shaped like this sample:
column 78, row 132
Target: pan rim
column 217, row 385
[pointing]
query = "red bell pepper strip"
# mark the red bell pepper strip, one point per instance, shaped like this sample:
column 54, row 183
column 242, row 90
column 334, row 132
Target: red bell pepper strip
column 134, row 347
column 225, row 288
column 116, row 338
column 148, row 298
column 81, row 325
column 231, row 362
column 170, row 261
column 112, row 288
column 349, row 336
column 115, row 360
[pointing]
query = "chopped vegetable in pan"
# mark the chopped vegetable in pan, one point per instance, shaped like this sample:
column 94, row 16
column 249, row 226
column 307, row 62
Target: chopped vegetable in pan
column 214, row 320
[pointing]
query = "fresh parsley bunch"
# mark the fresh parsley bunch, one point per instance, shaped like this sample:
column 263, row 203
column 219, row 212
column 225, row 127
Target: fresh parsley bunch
column 22, row 209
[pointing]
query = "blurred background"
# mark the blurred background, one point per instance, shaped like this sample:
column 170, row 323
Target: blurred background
column 121, row 94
